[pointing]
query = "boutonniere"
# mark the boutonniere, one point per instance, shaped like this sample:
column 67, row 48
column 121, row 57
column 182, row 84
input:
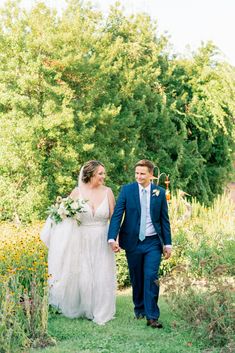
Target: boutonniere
column 156, row 192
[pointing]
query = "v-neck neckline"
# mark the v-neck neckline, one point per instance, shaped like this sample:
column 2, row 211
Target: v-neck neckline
column 93, row 212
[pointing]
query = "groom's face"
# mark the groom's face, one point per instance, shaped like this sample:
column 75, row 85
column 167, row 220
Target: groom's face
column 143, row 176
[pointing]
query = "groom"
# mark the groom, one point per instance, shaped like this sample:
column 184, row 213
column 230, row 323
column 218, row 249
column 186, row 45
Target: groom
column 141, row 220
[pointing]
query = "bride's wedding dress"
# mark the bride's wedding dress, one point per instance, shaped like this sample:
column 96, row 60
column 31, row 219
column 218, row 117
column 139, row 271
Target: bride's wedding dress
column 81, row 265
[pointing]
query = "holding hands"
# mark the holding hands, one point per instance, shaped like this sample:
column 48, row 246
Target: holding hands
column 115, row 246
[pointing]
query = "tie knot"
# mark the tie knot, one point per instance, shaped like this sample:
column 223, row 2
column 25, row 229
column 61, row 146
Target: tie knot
column 144, row 191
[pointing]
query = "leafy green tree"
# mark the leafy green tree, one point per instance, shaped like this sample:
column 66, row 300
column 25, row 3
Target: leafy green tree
column 80, row 86
column 200, row 95
column 36, row 119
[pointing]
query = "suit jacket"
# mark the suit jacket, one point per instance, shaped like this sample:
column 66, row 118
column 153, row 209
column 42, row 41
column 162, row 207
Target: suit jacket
column 125, row 220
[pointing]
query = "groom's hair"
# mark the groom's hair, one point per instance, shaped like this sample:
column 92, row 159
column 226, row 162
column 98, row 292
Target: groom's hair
column 145, row 163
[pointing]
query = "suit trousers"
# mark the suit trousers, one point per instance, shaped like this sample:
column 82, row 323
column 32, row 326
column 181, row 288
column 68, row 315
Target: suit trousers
column 143, row 265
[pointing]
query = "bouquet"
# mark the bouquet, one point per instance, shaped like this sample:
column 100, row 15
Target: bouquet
column 66, row 208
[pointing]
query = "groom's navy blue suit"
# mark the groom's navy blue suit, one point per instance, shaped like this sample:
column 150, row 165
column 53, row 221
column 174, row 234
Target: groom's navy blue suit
column 143, row 257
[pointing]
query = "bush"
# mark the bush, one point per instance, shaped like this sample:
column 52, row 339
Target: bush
column 123, row 278
column 23, row 316
column 203, row 238
column 206, row 305
column 23, row 289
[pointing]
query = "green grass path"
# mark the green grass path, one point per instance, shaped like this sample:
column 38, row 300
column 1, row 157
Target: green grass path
column 122, row 335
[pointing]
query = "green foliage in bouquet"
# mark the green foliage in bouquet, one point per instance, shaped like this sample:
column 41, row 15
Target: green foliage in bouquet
column 66, row 208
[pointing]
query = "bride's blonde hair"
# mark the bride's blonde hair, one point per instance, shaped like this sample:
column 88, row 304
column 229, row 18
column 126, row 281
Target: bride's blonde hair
column 89, row 169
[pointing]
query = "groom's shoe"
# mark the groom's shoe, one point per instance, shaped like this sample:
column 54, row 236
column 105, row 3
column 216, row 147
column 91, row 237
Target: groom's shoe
column 154, row 323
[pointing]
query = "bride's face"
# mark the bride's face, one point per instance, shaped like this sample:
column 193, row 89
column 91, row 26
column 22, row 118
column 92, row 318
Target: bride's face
column 99, row 176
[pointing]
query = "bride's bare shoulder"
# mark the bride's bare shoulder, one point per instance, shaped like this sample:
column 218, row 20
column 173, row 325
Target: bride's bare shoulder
column 75, row 193
column 108, row 190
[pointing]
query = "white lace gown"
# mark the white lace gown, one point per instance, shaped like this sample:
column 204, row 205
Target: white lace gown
column 81, row 265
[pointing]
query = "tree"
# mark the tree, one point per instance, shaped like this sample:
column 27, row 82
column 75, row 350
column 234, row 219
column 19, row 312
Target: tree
column 201, row 102
column 80, row 86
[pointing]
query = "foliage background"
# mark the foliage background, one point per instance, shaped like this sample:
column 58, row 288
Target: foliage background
column 82, row 86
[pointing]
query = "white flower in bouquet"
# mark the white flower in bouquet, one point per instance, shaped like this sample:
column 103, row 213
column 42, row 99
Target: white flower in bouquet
column 74, row 205
column 77, row 217
column 59, row 199
column 62, row 212
column 66, row 208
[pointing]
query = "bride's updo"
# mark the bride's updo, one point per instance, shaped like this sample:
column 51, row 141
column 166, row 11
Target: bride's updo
column 89, row 170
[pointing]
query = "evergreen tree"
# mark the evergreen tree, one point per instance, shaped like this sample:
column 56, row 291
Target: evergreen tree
column 81, row 86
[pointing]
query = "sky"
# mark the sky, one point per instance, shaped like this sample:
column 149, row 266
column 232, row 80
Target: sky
column 187, row 22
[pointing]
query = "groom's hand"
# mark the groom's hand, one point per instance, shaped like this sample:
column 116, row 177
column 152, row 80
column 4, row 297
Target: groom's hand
column 114, row 245
column 167, row 252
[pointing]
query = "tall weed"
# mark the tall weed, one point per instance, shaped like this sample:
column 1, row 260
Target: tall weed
column 23, row 290
column 203, row 238
column 207, row 306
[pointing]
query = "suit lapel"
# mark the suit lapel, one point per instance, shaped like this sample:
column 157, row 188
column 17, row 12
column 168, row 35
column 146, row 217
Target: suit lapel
column 153, row 197
column 137, row 197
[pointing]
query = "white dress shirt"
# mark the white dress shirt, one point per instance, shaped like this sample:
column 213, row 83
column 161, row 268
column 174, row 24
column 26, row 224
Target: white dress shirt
column 150, row 230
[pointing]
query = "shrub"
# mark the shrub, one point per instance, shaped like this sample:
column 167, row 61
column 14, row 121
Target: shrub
column 207, row 306
column 123, row 278
column 203, row 238
column 23, row 289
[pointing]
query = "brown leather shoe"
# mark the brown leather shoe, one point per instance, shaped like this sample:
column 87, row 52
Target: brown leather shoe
column 154, row 323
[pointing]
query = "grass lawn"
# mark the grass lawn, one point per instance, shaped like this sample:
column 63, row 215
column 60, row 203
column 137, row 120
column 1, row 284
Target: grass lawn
column 124, row 334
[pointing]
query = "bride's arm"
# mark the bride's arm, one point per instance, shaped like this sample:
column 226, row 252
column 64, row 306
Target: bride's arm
column 111, row 202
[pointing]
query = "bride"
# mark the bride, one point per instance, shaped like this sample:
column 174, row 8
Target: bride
column 81, row 264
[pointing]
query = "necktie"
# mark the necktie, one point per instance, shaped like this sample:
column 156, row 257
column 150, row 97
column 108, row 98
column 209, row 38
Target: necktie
column 143, row 215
